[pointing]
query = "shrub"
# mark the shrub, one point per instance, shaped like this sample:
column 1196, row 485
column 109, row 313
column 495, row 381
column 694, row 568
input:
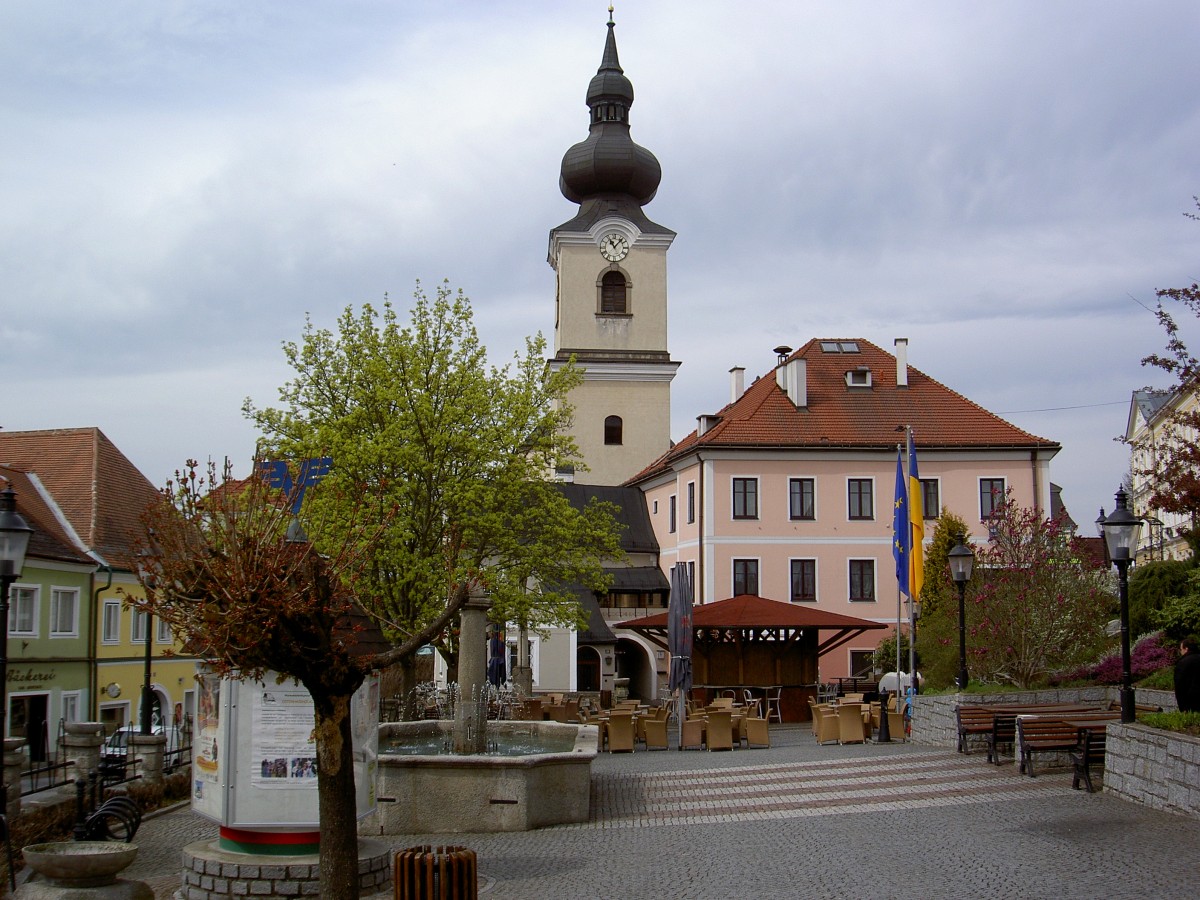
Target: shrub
column 1148, row 655
column 1184, row 722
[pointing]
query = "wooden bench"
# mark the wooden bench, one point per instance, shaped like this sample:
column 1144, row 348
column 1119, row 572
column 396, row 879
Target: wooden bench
column 1138, row 708
column 1044, row 734
column 1090, row 751
column 972, row 721
column 1004, row 731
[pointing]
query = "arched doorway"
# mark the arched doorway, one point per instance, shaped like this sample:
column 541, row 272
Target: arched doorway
column 158, row 702
column 634, row 663
column 587, row 669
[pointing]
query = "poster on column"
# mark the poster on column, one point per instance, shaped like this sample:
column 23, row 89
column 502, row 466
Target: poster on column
column 208, row 738
column 283, row 752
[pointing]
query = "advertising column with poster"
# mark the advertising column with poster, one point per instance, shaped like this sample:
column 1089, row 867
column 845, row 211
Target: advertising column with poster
column 256, row 762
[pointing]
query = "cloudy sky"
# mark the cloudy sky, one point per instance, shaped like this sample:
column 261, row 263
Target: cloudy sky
column 182, row 182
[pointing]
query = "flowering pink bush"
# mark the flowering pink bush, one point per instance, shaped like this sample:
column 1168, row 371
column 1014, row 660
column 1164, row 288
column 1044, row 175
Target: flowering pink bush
column 1148, row 655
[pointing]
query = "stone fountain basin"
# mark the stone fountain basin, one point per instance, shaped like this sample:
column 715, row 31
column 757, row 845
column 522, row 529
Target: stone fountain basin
column 74, row 860
column 484, row 794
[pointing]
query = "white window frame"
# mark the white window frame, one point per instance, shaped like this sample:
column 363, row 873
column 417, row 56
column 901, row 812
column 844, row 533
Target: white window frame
column 937, row 514
column 816, row 578
column 874, row 498
column 812, row 478
column 139, row 618
column 69, row 705
column 996, row 501
column 36, row 591
column 750, row 517
column 162, row 632
column 56, row 593
column 113, row 636
column 758, row 573
column 874, row 598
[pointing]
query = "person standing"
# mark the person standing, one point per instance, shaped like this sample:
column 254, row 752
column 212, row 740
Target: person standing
column 1187, row 676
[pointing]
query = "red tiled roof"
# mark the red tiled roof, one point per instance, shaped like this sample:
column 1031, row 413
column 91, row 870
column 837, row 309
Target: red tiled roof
column 838, row 416
column 50, row 540
column 749, row 611
column 101, row 493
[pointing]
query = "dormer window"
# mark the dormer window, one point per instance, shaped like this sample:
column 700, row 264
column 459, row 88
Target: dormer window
column 860, row 377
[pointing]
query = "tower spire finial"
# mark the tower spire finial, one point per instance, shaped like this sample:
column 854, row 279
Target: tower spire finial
column 610, row 15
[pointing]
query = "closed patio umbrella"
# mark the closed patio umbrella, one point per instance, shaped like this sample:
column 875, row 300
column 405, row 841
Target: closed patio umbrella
column 679, row 640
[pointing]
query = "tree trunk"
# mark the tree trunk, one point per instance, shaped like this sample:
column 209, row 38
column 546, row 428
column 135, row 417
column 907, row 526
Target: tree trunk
column 335, row 789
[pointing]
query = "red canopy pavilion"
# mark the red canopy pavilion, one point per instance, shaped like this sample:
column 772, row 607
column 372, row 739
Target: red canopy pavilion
column 750, row 641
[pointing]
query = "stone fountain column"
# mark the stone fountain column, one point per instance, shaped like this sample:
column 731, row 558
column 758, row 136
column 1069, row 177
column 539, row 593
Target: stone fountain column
column 152, row 749
column 83, row 741
column 469, row 736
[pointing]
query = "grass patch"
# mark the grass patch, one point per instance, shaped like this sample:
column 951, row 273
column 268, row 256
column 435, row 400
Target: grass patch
column 1181, row 722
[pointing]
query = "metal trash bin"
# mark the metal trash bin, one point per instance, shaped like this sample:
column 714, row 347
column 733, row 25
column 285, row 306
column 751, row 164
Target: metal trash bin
column 436, row 873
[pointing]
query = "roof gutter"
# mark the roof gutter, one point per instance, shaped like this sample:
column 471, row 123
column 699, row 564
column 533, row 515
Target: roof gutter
column 93, row 674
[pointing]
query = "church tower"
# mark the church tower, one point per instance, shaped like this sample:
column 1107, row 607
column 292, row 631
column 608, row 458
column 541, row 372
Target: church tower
column 610, row 263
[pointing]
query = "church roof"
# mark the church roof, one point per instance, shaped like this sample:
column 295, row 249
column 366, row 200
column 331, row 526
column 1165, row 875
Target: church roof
column 608, row 162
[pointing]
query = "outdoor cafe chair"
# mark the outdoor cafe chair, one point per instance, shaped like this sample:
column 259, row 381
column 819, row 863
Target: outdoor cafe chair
column 751, row 701
column 720, row 730
column 827, row 724
column 850, row 723
column 692, row 734
column 620, row 733
column 774, row 709
column 757, row 732
column 656, row 733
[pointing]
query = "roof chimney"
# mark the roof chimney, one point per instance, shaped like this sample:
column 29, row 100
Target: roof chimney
column 797, row 382
column 737, row 383
column 782, row 352
column 902, row 362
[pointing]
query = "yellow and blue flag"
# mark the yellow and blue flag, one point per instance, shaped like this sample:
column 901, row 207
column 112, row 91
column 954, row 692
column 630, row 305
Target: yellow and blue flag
column 916, row 518
column 901, row 534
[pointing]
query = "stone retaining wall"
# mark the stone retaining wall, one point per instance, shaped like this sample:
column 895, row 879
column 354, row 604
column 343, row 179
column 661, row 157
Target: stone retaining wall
column 1158, row 768
column 933, row 714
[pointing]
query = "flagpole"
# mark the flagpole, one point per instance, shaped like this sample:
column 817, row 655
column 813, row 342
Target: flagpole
column 912, row 600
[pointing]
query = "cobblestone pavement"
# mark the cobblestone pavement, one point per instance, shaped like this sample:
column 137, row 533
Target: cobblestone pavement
column 799, row 820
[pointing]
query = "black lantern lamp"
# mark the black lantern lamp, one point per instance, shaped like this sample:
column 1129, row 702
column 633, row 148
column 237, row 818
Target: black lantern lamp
column 962, row 560
column 1121, row 531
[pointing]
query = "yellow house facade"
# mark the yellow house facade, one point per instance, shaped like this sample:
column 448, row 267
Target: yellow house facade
column 123, row 635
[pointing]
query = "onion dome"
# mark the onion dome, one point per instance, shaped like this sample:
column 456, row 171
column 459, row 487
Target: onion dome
column 609, row 162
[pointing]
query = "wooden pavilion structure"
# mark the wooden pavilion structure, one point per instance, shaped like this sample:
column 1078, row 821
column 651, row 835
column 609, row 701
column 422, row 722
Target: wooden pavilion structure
column 754, row 642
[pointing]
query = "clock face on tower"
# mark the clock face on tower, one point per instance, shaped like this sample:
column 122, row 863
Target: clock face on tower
column 614, row 246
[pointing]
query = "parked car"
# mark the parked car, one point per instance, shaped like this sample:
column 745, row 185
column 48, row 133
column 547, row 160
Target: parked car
column 115, row 753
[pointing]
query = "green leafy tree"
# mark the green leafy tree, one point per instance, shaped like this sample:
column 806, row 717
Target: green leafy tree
column 1035, row 605
column 218, row 569
column 1179, row 616
column 937, row 632
column 1151, row 586
column 939, row 589
column 455, row 455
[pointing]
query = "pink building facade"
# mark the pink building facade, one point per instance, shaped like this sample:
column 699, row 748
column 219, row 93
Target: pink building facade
column 788, row 491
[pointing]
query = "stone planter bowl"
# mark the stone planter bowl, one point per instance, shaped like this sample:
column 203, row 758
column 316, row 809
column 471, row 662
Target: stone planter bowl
column 97, row 862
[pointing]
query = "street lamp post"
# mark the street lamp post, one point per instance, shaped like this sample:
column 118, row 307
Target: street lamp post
column 147, row 690
column 962, row 560
column 14, row 541
column 1121, row 536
